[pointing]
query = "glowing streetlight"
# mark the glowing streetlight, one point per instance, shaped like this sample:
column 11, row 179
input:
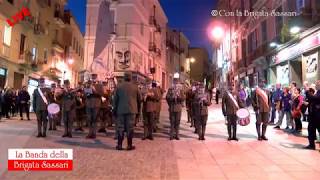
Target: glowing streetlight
column 192, row 60
column 217, row 33
column 70, row 61
column 176, row 75
column 274, row 44
column 295, row 30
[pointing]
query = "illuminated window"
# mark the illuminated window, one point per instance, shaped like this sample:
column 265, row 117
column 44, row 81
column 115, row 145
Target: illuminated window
column 10, row 1
column 45, row 56
column 34, row 52
column 7, row 35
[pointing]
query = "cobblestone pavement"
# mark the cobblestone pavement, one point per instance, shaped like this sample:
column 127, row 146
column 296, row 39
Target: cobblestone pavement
column 216, row 158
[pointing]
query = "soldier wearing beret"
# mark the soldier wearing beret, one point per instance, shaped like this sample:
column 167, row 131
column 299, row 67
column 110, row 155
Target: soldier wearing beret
column 68, row 108
column 40, row 103
column 93, row 92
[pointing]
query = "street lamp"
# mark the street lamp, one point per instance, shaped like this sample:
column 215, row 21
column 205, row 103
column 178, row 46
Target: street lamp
column 295, row 30
column 273, row 44
column 217, row 33
column 190, row 60
column 70, row 61
column 176, row 75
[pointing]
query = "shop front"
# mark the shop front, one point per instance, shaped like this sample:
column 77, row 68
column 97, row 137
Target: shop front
column 252, row 77
column 310, row 64
column 3, row 77
column 297, row 62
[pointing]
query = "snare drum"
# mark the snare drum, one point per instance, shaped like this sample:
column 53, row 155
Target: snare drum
column 243, row 117
column 53, row 110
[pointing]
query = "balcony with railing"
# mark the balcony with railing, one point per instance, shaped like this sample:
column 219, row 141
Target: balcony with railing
column 57, row 46
column 25, row 58
column 38, row 29
column 62, row 18
column 28, row 21
column 152, row 21
column 152, row 47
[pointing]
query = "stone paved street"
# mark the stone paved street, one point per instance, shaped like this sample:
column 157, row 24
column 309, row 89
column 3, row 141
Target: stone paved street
column 216, row 158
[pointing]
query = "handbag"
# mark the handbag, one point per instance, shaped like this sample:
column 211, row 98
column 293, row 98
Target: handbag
column 296, row 113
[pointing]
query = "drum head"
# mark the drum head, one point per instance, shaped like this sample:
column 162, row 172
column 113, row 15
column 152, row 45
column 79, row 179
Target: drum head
column 244, row 122
column 243, row 113
column 53, row 108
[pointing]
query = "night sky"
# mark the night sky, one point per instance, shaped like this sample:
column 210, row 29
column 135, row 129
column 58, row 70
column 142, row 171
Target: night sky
column 191, row 16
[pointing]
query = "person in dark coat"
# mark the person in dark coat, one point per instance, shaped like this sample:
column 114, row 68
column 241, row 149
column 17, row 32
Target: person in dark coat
column 24, row 102
column 314, row 109
column 125, row 104
column 217, row 95
column 231, row 103
column 7, row 102
column 93, row 91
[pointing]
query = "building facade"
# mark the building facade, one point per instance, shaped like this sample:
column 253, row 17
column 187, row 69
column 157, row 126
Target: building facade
column 258, row 47
column 199, row 69
column 127, row 35
column 39, row 44
column 177, row 55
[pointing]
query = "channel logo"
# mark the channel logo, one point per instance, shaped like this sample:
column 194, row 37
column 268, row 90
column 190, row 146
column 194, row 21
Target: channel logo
column 40, row 159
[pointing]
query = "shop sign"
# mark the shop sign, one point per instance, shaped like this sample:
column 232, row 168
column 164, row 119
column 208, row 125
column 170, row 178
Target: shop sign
column 250, row 71
column 33, row 82
column 242, row 75
column 283, row 74
column 287, row 53
column 296, row 49
column 311, row 65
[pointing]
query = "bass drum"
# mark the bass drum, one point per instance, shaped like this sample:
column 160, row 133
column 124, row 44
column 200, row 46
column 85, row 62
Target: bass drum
column 53, row 110
column 243, row 117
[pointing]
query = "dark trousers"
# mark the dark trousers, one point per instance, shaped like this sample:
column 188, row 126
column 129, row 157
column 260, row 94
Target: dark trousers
column 148, row 124
column 125, row 124
column 68, row 117
column 175, row 118
column 79, row 117
column 24, row 107
column 298, row 124
column 189, row 114
column 156, row 120
column 13, row 110
column 5, row 110
column 42, row 122
column 201, row 125
column 273, row 113
column 217, row 99
column 232, row 126
column 92, row 115
column 262, row 118
column 104, row 117
column 313, row 126
column 53, row 122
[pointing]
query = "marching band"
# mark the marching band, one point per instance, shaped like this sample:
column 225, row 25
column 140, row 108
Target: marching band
column 105, row 106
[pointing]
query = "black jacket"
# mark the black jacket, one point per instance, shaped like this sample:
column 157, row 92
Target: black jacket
column 314, row 105
column 23, row 97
